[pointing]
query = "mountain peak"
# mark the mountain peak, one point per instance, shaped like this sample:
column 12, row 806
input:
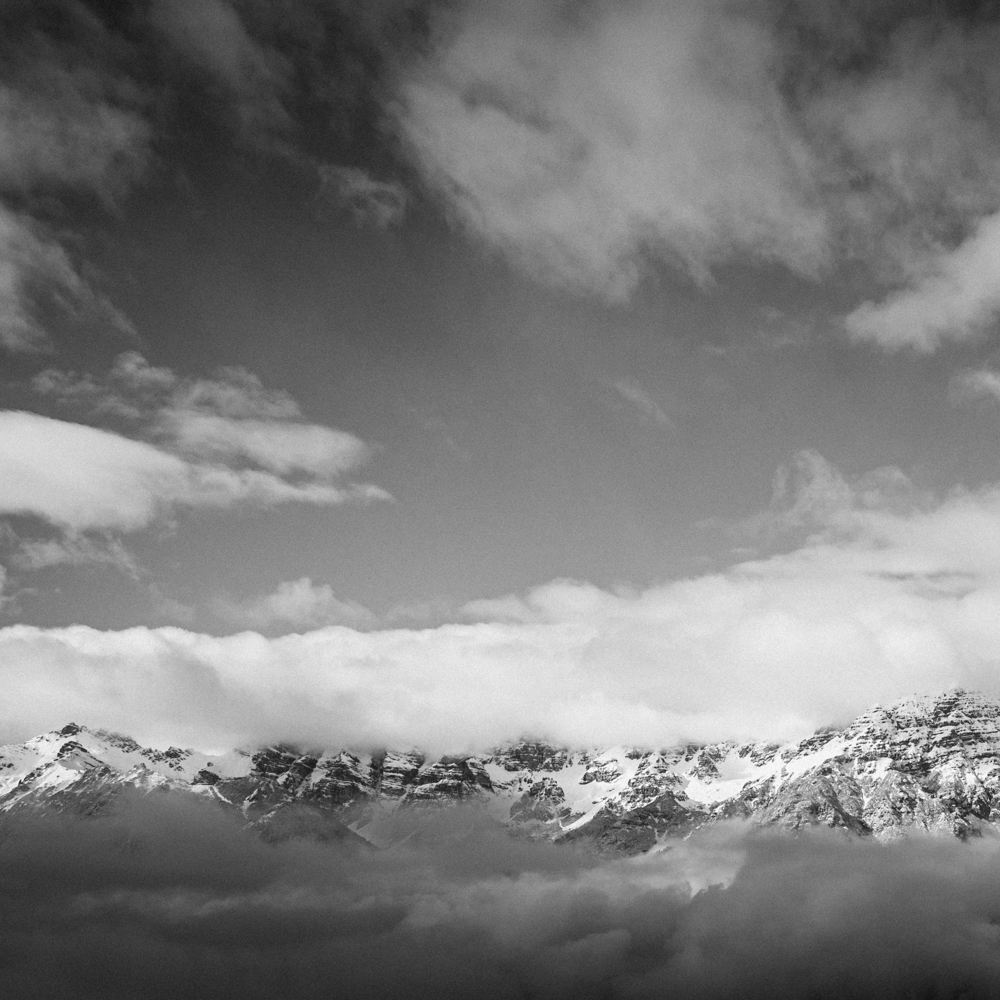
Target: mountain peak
column 926, row 762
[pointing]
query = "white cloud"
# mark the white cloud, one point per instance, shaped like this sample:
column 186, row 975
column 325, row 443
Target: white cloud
column 197, row 443
column 578, row 142
column 295, row 603
column 593, row 144
column 231, row 419
column 79, row 478
column 955, row 296
column 982, row 383
column 282, row 448
column 884, row 600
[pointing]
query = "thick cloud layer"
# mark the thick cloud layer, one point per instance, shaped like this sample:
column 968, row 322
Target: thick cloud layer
column 890, row 593
column 163, row 900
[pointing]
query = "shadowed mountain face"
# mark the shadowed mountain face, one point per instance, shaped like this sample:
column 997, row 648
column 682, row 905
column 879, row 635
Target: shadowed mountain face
column 929, row 764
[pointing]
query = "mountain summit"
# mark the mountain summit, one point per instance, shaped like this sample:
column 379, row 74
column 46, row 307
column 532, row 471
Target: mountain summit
column 927, row 763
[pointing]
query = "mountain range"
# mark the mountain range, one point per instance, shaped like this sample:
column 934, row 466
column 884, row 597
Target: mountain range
column 925, row 763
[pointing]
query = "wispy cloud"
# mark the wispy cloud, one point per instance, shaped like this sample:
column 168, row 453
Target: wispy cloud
column 593, row 148
column 68, row 125
column 231, row 419
column 376, row 203
column 212, row 36
column 578, row 145
column 648, row 410
column 189, row 444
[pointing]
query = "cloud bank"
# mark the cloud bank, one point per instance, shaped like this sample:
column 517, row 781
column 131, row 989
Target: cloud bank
column 885, row 593
column 169, row 899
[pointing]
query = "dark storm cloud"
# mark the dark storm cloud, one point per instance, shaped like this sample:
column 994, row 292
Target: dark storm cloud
column 176, row 901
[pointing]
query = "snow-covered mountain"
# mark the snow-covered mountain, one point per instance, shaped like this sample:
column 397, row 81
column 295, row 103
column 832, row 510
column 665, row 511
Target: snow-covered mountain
column 928, row 763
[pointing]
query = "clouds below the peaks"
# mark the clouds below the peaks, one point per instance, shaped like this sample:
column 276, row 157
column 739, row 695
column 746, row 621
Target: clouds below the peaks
column 168, row 897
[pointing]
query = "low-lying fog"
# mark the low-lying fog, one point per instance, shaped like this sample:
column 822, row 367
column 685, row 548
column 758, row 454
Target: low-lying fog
column 172, row 899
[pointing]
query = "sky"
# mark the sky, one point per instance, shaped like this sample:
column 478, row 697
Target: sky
column 433, row 373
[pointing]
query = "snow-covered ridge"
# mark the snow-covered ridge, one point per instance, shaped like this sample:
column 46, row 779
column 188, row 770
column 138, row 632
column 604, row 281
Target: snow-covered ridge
column 929, row 763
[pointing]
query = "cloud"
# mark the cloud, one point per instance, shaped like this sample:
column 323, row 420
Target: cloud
column 35, row 268
column 593, row 145
column 230, row 420
column 648, row 409
column 295, row 603
column 160, row 896
column 211, row 35
column 376, row 203
column 194, row 443
column 982, row 383
column 59, row 129
column 956, row 296
column 886, row 592
column 74, row 550
column 78, row 478
column 577, row 143
column 69, row 124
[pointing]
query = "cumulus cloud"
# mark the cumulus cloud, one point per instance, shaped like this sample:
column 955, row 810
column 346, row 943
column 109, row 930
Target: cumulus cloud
column 164, row 897
column 295, row 603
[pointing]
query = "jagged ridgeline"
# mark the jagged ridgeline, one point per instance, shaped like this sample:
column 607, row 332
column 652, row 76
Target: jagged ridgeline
column 928, row 763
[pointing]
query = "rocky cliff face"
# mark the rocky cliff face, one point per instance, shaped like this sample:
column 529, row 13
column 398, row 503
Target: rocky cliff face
column 923, row 764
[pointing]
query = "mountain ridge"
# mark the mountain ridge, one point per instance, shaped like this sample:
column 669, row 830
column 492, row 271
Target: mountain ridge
column 924, row 763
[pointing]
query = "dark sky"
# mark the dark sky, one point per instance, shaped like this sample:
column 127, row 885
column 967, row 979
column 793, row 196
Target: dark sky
column 624, row 365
